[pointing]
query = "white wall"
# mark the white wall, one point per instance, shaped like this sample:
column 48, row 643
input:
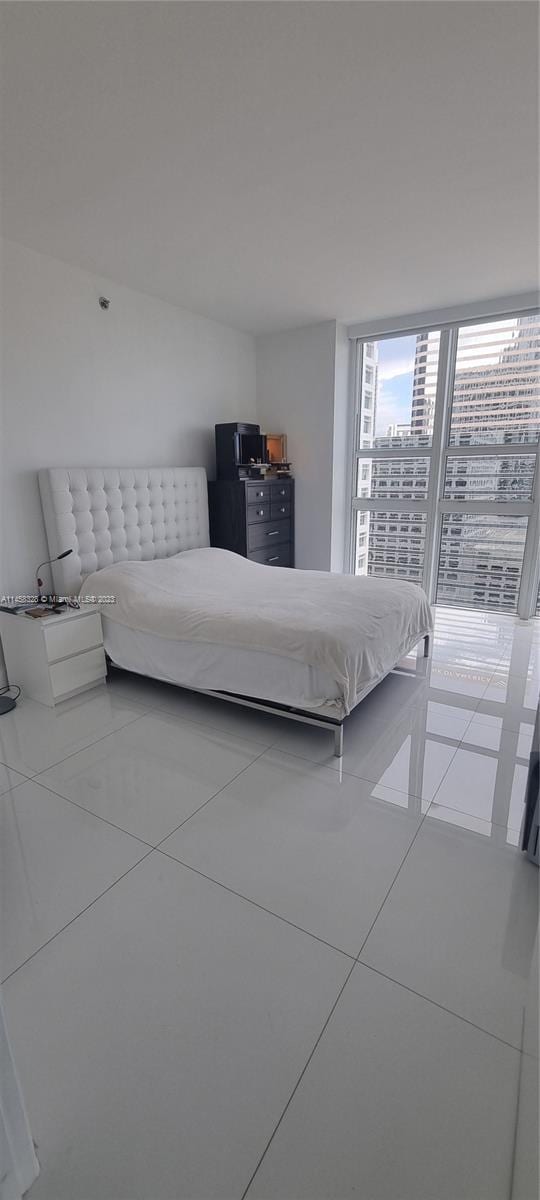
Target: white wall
column 144, row 384
column 341, row 482
column 141, row 384
column 295, row 390
column 302, row 389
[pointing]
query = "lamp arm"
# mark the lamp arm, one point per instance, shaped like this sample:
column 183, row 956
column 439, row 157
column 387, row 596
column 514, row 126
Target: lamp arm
column 46, row 563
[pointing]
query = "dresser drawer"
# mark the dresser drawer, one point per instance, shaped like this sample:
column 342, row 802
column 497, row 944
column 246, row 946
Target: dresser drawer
column 280, row 508
column 78, row 672
column 268, row 534
column 70, row 637
column 272, row 556
column 256, row 492
column 259, row 512
column 282, row 490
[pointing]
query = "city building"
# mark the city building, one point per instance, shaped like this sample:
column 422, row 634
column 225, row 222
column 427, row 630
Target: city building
column 496, row 400
column 394, row 431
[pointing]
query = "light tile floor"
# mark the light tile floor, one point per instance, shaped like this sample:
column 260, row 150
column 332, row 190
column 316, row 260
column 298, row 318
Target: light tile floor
column 234, row 967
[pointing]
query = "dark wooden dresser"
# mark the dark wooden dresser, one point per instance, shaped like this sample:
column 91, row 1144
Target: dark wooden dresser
column 254, row 518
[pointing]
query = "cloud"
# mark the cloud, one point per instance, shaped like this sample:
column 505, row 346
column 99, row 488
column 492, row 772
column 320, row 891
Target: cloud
column 392, row 369
column 390, row 411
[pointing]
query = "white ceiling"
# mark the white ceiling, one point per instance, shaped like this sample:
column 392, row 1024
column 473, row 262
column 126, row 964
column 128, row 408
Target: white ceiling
column 274, row 164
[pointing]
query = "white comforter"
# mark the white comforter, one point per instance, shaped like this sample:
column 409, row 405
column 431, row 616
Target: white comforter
column 354, row 627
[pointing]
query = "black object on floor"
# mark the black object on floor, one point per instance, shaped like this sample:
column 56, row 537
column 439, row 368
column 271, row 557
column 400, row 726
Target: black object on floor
column 530, row 834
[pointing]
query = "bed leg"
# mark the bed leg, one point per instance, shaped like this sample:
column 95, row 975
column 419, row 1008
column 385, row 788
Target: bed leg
column 426, row 645
column 338, row 742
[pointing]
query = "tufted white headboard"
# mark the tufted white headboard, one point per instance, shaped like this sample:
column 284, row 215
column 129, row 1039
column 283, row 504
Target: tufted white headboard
column 113, row 514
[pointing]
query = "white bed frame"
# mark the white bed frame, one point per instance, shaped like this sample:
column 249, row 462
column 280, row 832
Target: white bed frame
column 117, row 514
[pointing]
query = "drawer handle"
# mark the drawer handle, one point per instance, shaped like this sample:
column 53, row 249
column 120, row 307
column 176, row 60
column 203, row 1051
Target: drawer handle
column 260, row 495
column 260, row 512
column 282, row 492
column 282, row 509
column 274, row 559
column 272, row 533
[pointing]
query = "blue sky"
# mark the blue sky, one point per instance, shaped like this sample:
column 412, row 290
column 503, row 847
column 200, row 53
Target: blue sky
column 396, row 368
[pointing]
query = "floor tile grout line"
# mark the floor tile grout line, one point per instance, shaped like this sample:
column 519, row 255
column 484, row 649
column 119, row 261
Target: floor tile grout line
column 120, row 828
column 439, row 739
column 13, row 788
column 517, row 1111
column 145, row 711
column 488, row 751
column 256, row 904
column 486, row 719
column 298, row 1082
column 530, row 1055
column 160, row 708
column 356, row 962
column 270, row 911
column 439, row 786
column 459, row 747
column 210, row 798
column 381, row 906
column 77, row 915
column 155, row 849
column 468, row 725
column 437, row 1004
column 341, row 772
column 443, row 777
column 463, row 812
column 263, row 908
column 25, row 777
column 351, row 775
column 87, row 746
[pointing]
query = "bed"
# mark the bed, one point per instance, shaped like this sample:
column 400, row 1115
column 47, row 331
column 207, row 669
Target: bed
column 307, row 645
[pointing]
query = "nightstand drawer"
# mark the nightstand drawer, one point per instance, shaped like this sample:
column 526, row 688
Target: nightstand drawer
column 257, row 491
column 271, row 533
column 258, row 512
column 70, row 637
column 272, row 556
column 78, row 672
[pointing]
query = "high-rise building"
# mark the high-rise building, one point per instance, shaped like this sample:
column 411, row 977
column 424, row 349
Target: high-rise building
column 496, row 399
column 398, row 431
column 369, row 385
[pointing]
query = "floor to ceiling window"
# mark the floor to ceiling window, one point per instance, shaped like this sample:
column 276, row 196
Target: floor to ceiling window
column 446, row 471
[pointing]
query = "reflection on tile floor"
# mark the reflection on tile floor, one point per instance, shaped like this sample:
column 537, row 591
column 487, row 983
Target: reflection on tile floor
column 185, row 889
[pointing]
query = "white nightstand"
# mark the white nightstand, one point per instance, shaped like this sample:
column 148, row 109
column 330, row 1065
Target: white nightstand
column 53, row 658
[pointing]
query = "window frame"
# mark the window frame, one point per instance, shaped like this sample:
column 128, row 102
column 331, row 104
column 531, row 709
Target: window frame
column 435, row 505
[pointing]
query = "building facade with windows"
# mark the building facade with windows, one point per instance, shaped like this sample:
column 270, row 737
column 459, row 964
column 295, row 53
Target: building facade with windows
column 495, row 406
